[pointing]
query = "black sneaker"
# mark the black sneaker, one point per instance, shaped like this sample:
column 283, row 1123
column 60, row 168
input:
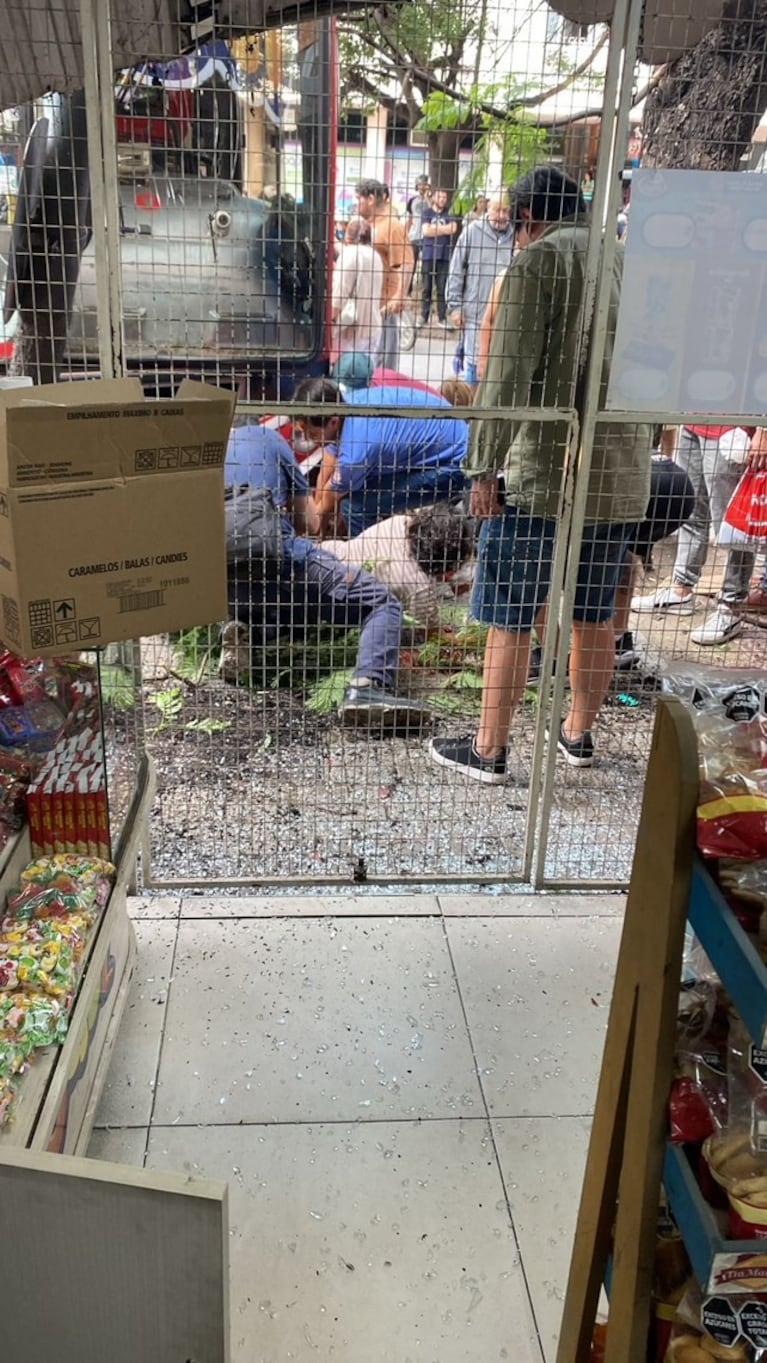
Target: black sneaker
column 461, row 754
column 373, row 708
column 579, row 752
column 534, row 669
column 626, row 656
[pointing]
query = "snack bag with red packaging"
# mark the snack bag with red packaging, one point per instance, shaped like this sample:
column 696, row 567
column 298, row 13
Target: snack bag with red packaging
column 30, row 678
column 729, row 709
column 745, row 521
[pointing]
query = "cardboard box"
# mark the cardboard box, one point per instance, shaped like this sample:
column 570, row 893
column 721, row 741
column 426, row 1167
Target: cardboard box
column 111, row 513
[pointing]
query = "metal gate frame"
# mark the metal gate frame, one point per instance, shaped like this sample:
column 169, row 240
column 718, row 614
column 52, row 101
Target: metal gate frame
column 617, row 103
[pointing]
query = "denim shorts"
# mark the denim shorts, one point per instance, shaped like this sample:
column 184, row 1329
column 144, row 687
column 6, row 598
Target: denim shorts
column 514, row 562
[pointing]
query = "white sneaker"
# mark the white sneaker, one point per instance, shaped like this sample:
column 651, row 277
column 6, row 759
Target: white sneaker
column 665, row 599
column 718, row 627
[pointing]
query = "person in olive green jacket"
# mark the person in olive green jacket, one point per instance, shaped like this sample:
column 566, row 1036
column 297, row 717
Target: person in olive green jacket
column 535, row 361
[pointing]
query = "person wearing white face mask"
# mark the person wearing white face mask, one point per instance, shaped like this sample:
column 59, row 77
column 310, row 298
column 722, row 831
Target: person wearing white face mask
column 482, row 253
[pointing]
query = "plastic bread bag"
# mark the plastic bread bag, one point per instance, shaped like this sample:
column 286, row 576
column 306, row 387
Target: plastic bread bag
column 731, row 729
column 737, row 1155
column 744, row 886
column 698, row 1101
column 737, row 693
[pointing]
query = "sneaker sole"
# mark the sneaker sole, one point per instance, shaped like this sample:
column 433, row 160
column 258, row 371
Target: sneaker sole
column 572, row 760
column 663, row 610
column 721, row 639
column 488, row 778
column 383, row 718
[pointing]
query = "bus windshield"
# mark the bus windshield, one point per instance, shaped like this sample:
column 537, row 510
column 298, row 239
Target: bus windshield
column 225, row 192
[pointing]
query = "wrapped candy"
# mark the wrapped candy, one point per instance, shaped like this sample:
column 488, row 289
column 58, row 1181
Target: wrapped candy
column 67, row 868
column 11, row 1055
column 46, row 966
column 32, row 902
column 7, row 1101
column 73, row 929
column 35, row 726
column 32, row 1020
column 54, row 886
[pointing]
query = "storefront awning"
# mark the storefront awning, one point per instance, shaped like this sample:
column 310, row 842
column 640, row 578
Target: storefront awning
column 42, row 47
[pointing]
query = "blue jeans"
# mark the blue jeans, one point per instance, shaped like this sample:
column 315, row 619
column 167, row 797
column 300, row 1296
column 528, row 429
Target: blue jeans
column 387, row 355
column 404, row 492
column 714, row 479
column 318, row 587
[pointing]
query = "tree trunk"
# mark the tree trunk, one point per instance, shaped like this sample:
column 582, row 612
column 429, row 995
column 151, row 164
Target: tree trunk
column 702, row 114
column 444, row 148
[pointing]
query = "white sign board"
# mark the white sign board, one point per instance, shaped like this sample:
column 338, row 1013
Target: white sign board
column 692, row 323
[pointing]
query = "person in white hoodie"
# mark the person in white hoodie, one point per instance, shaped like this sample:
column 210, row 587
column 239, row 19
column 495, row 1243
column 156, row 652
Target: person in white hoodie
column 358, row 277
column 482, row 253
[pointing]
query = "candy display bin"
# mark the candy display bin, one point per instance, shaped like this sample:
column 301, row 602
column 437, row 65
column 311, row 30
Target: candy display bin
column 142, row 1258
column 59, row 1094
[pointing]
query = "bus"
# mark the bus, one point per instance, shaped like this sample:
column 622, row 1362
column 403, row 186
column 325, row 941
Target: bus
column 226, row 162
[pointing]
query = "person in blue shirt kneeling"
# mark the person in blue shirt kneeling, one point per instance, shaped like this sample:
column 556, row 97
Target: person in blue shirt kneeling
column 376, row 466
column 305, row 585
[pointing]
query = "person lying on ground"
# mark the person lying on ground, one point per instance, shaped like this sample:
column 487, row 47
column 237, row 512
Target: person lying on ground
column 410, row 553
column 302, row 585
column 376, row 466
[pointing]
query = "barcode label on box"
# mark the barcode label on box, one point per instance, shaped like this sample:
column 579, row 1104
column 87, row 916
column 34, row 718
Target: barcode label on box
column 11, row 622
column 141, row 601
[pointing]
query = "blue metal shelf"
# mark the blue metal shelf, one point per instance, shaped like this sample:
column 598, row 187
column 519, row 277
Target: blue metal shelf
column 744, row 976
column 709, row 1251
column 736, row 961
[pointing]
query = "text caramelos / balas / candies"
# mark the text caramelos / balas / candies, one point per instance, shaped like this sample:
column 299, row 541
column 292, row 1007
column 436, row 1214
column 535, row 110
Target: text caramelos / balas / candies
column 127, row 565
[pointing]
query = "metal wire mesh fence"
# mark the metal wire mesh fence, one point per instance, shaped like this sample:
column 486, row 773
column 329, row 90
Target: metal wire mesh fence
column 476, row 559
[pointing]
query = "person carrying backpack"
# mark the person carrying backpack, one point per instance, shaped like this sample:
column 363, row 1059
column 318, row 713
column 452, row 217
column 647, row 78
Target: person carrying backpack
column 281, row 583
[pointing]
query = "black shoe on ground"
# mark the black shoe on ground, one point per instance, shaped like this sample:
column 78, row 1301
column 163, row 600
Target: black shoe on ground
column 534, row 669
column 579, row 752
column 626, row 656
column 461, row 754
column 372, row 707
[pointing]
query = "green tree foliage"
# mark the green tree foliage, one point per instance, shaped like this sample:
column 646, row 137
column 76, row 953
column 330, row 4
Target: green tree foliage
column 428, row 60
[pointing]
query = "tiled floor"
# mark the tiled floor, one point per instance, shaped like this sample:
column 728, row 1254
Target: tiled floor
column 397, row 1090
